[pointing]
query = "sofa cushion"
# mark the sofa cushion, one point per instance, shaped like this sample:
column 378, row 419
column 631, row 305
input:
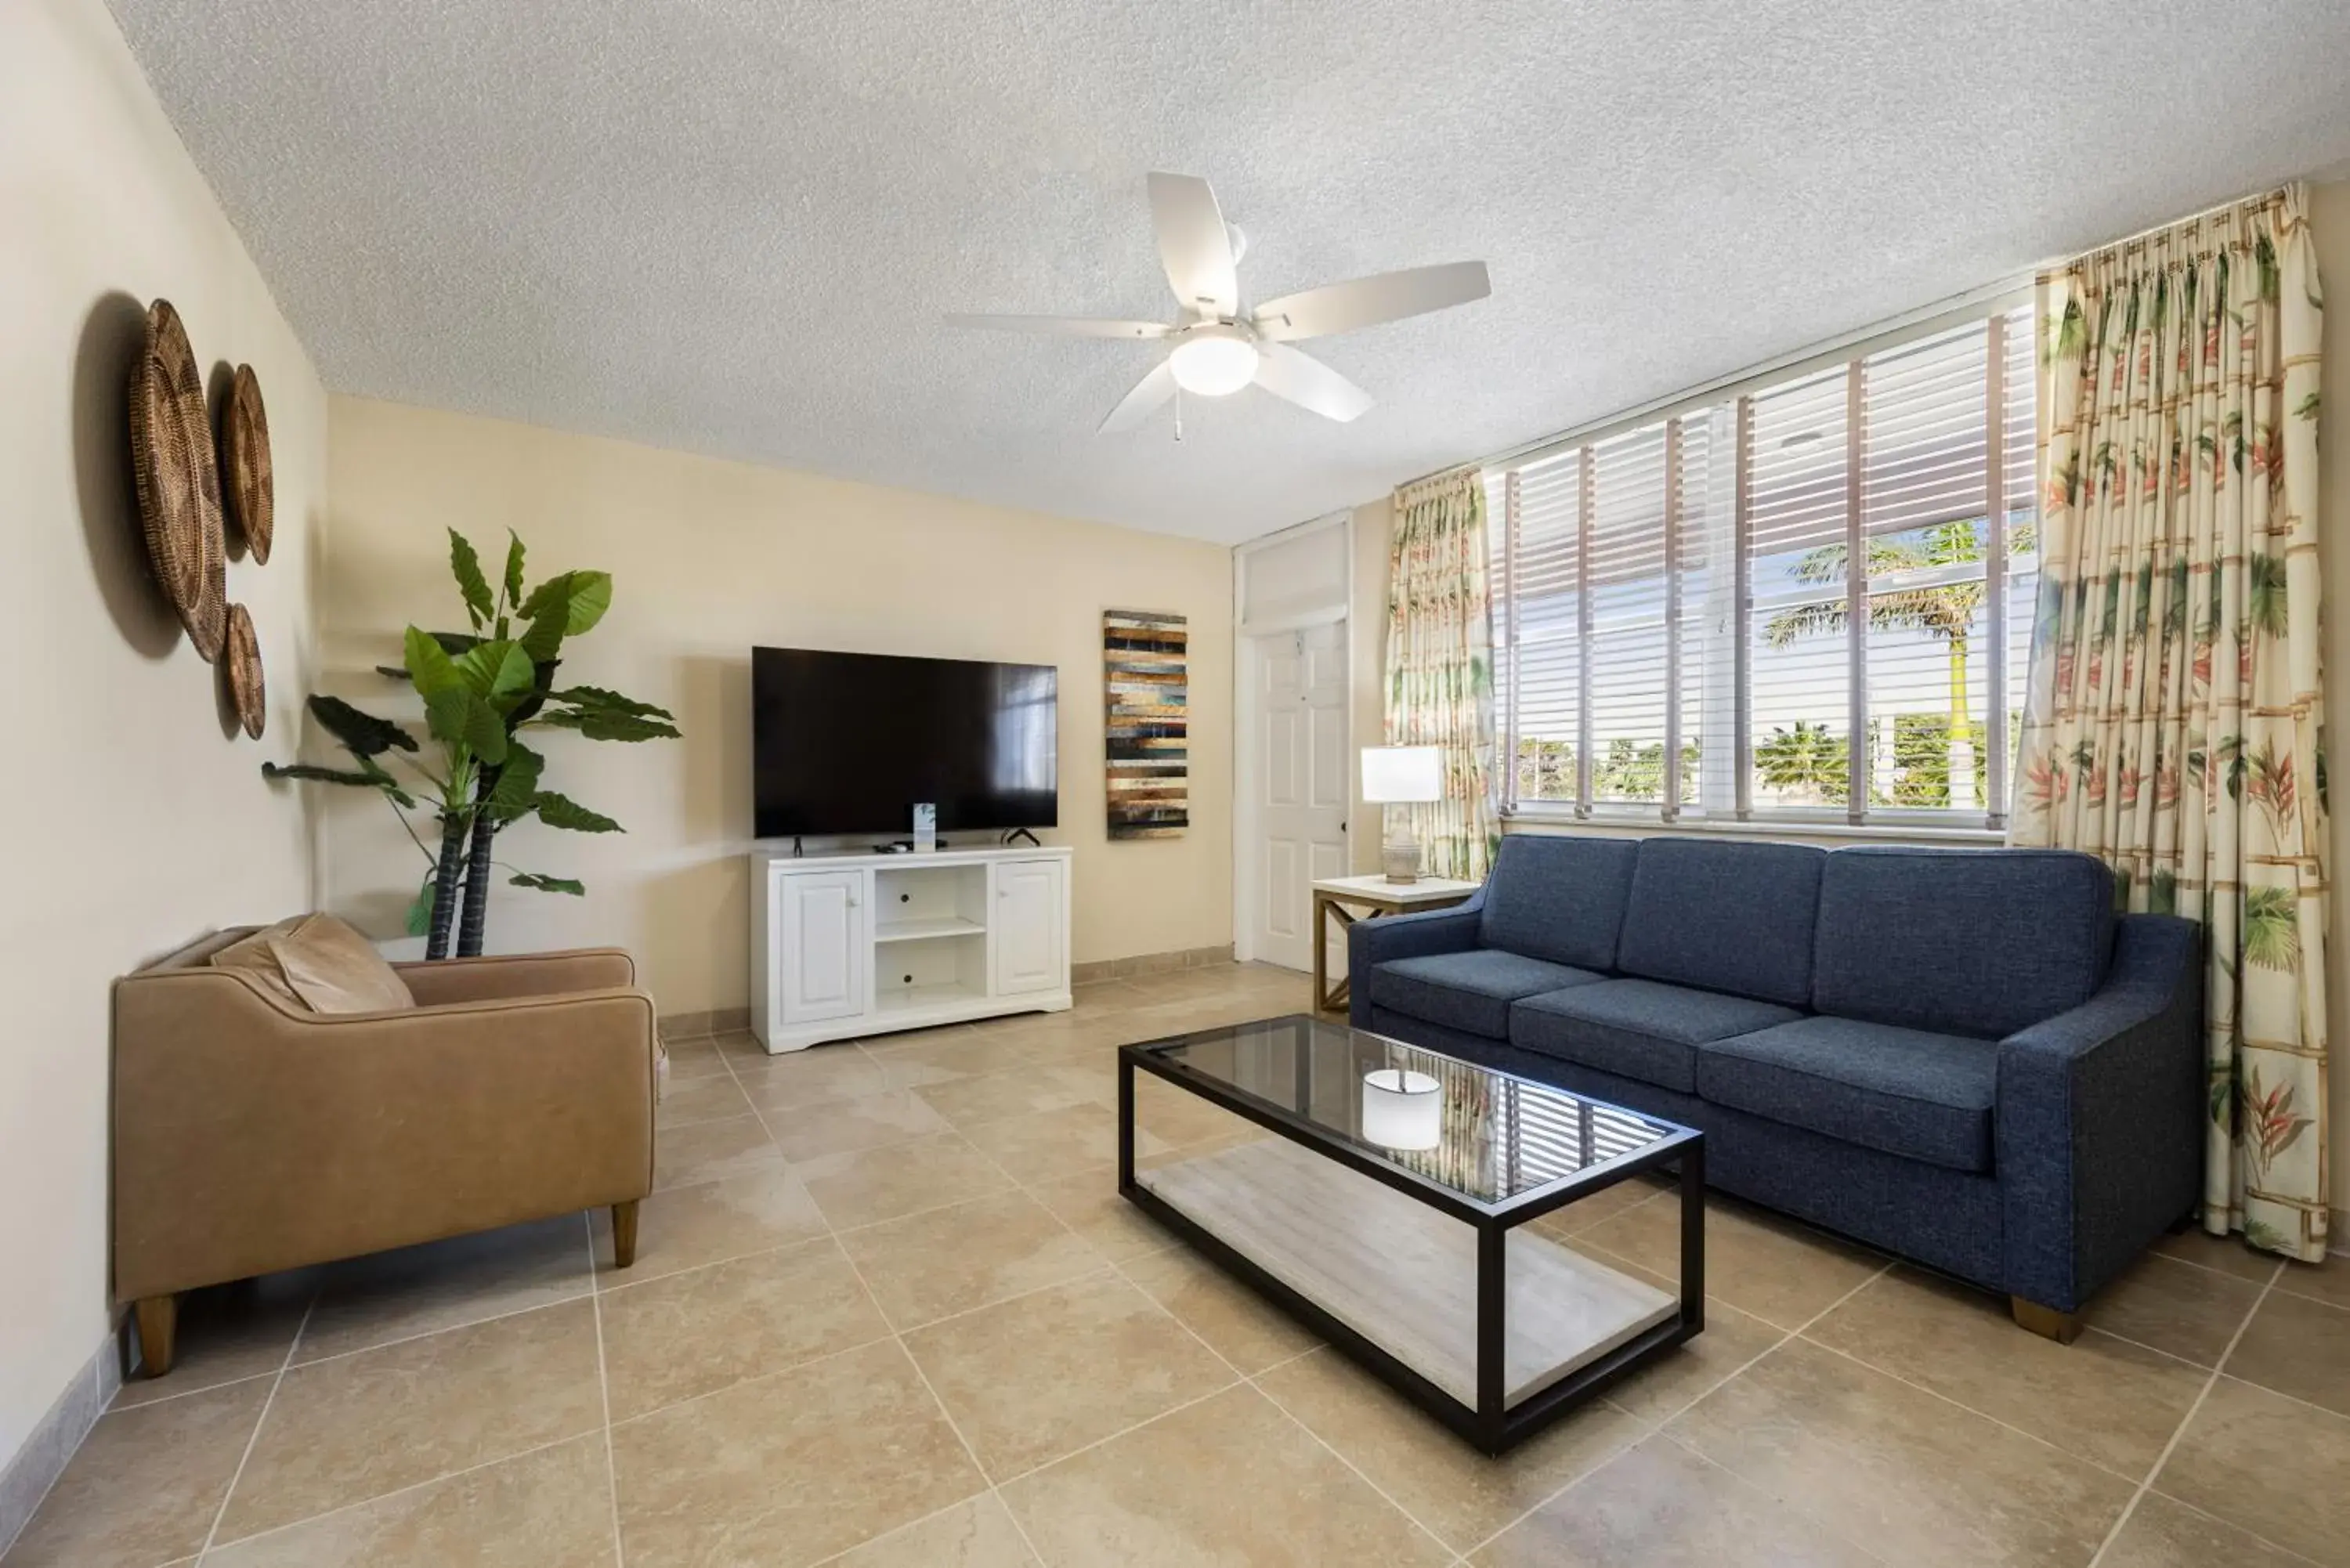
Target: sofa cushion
column 1960, row 942
column 251, row 957
column 1726, row 917
column 319, row 964
column 1470, row 990
column 1637, row 1028
column 1559, row 899
column 1906, row 1092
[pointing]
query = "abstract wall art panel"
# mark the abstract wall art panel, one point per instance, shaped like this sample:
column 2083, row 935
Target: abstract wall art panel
column 1148, row 754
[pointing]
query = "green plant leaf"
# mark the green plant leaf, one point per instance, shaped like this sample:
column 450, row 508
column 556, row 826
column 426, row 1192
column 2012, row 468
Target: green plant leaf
column 518, row 787
column 548, row 884
column 321, row 775
column 362, row 734
column 583, row 596
column 599, row 725
column 513, row 569
column 420, row 909
column 463, row 716
column 467, row 569
column 452, row 643
column 498, row 670
column 599, row 698
column 561, row 811
column 431, row 667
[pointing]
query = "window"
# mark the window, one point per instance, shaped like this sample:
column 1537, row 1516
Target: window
column 1812, row 594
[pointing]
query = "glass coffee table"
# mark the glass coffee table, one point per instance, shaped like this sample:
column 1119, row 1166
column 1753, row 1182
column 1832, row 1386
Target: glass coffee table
column 1380, row 1191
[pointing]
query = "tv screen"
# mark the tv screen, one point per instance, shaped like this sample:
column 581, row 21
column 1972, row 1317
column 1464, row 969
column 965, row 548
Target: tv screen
column 850, row 743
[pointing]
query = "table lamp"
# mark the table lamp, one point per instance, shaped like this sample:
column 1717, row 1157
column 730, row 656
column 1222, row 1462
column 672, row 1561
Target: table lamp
column 1403, row 775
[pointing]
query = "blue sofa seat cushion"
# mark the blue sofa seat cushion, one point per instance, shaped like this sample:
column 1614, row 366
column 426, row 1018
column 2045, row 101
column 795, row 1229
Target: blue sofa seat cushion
column 1961, row 941
column 1726, row 917
column 1637, row 1028
column 1904, row 1091
column 1470, row 990
column 1560, row 900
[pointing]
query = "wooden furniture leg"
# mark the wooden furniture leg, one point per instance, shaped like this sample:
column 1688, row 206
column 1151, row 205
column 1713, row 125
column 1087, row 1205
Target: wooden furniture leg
column 624, row 1233
column 2064, row 1327
column 159, row 1321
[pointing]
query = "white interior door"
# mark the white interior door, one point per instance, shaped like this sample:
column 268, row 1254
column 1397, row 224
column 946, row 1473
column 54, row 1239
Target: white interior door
column 1301, row 782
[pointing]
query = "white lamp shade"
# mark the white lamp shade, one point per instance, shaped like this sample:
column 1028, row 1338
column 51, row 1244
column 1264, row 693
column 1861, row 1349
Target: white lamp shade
column 1403, row 1109
column 1402, row 773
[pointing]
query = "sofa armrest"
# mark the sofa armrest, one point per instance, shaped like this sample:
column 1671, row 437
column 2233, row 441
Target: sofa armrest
column 2099, row 1118
column 1370, row 943
column 517, row 974
column 248, row 1139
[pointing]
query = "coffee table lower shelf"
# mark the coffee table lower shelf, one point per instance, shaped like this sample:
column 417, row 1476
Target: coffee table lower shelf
column 1397, row 1284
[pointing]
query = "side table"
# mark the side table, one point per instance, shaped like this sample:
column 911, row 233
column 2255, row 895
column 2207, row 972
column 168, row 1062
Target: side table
column 1376, row 896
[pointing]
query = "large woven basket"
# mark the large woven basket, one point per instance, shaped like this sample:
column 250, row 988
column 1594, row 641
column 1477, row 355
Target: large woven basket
column 179, row 487
column 246, row 487
column 240, row 665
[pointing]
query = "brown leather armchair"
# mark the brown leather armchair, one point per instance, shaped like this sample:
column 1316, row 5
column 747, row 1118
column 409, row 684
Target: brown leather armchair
column 251, row 1136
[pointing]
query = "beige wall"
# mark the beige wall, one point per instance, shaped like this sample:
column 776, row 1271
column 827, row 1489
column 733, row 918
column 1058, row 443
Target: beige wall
column 137, row 823
column 2330, row 223
column 708, row 559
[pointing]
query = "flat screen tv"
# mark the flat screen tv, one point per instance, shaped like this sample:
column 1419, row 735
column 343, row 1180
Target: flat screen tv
column 850, row 743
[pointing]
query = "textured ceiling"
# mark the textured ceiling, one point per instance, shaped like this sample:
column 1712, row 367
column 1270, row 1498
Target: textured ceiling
column 731, row 225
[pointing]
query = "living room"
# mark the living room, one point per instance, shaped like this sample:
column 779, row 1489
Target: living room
column 1540, row 847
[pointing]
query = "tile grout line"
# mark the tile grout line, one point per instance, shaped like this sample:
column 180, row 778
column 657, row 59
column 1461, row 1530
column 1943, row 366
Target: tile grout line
column 604, row 1387
column 374, row 1498
column 2178, row 1433
column 1867, row 1365
column 1668, row 1417
column 252, row 1438
column 897, row 1339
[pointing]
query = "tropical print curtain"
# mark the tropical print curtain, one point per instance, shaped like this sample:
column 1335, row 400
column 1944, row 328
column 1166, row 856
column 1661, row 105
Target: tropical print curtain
column 1439, row 686
column 2172, row 724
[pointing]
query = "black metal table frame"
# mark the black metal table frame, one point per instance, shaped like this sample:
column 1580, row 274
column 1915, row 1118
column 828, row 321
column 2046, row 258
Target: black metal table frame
column 1493, row 1425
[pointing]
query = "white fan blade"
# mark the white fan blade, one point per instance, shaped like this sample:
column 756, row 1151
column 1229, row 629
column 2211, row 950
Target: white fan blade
column 1309, row 383
column 1143, row 402
column 1063, row 326
column 1367, row 301
column 1193, row 244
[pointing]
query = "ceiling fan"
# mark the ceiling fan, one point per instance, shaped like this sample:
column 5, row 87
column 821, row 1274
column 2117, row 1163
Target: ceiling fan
column 1216, row 347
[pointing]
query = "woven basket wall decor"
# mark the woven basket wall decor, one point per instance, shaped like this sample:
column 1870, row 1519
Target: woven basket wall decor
column 179, row 486
column 241, row 664
column 246, row 487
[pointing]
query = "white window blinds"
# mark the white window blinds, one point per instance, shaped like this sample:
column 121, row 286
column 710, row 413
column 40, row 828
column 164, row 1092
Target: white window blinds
column 1813, row 597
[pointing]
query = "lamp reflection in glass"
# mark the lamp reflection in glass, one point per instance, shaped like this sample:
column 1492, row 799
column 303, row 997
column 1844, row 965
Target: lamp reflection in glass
column 1403, row 1109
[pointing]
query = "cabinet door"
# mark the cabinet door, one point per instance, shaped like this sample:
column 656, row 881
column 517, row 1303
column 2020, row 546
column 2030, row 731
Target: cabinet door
column 824, row 949
column 1031, row 946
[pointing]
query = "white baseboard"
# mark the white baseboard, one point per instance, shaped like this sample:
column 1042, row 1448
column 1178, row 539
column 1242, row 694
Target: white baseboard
column 27, row 1477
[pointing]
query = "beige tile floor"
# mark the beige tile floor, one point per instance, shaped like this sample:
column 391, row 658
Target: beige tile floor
column 890, row 1312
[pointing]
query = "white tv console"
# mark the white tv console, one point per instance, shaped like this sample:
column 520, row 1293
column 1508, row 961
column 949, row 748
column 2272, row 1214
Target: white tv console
column 864, row 943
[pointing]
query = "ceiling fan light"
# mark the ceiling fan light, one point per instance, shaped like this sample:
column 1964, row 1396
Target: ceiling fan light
column 1213, row 361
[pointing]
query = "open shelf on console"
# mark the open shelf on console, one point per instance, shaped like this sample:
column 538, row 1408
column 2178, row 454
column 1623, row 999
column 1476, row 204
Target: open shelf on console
column 889, row 930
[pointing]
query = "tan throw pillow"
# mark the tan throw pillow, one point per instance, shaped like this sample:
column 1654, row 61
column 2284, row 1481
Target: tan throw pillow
column 252, row 957
column 334, row 969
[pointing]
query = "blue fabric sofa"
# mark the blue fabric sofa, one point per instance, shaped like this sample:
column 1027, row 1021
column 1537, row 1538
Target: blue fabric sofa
column 1963, row 1056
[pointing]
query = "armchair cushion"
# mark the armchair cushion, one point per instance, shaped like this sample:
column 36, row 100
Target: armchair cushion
column 318, row 963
